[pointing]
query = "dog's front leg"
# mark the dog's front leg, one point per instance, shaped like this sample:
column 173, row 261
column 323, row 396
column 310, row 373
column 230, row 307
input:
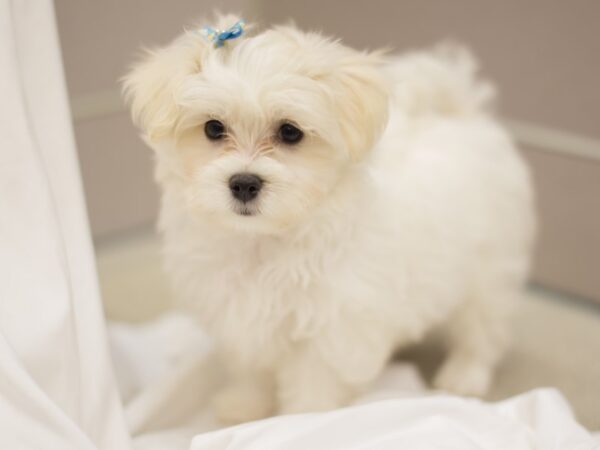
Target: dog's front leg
column 328, row 371
column 247, row 396
column 307, row 382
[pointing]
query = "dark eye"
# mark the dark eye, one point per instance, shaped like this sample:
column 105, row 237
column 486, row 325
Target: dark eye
column 214, row 130
column 289, row 134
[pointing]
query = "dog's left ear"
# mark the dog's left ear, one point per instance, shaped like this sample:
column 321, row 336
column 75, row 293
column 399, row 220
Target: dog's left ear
column 151, row 85
column 362, row 100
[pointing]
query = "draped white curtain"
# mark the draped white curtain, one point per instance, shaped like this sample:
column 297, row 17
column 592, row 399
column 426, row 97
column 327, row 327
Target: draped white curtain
column 56, row 383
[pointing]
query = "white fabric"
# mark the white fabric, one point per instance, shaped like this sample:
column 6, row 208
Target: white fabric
column 56, row 382
column 536, row 420
column 57, row 388
column 169, row 405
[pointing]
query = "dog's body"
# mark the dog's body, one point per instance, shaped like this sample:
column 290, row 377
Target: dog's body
column 390, row 235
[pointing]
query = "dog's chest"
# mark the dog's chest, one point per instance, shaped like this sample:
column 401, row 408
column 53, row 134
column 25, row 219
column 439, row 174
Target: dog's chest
column 252, row 296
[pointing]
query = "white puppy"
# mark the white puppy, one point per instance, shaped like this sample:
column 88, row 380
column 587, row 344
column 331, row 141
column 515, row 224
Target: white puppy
column 322, row 207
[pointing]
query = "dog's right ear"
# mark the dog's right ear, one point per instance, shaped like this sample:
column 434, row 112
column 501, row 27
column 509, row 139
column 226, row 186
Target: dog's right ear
column 150, row 88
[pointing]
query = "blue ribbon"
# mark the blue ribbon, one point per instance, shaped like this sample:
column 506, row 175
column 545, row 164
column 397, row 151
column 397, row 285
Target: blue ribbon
column 220, row 36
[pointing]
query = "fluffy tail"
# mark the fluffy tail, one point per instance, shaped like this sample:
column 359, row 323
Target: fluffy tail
column 442, row 81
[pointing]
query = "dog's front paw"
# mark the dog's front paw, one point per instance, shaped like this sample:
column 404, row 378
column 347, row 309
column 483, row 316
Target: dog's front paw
column 464, row 376
column 309, row 404
column 238, row 403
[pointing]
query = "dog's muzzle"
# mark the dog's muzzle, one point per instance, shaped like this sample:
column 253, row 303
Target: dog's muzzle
column 245, row 187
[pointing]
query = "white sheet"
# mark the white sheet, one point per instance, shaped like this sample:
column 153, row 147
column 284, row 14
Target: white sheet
column 398, row 413
column 536, row 420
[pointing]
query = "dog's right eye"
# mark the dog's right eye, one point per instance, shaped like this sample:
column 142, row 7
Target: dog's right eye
column 214, row 130
column 290, row 134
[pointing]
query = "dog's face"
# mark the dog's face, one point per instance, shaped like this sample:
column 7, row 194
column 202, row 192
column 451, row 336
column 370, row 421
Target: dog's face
column 257, row 133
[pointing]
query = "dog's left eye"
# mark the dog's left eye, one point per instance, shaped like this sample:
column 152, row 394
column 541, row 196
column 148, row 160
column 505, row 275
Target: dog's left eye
column 214, row 130
column 290, row 134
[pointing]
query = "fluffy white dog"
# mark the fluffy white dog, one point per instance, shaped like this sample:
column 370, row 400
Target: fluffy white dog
column 322, row 207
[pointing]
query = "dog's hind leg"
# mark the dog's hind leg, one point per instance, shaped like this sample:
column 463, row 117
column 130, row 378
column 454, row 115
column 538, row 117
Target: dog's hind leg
column 478, row 335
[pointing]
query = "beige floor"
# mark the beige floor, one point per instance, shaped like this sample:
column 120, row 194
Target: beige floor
column 557, row 340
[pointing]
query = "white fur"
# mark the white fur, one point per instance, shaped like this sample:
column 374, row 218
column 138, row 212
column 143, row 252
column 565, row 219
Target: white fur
column 362, row 240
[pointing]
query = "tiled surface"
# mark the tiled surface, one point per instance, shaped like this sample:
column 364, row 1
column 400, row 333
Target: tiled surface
column 556, row 341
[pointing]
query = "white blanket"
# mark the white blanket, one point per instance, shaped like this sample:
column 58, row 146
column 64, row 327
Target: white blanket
column 398, row 413
column 537, row 420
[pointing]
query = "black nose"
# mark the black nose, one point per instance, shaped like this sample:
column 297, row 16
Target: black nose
column 245, row 186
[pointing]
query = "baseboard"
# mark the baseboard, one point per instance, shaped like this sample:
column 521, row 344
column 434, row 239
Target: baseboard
column 109, row 102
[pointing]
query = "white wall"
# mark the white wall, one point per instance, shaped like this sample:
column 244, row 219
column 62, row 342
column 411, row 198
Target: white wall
column 542, row 53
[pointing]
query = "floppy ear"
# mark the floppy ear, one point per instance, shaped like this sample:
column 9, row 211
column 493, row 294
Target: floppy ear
column 361, row 99
column 151, row 85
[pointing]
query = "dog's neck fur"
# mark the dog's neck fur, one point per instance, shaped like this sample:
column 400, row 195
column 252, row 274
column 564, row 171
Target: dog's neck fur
column 199, row 252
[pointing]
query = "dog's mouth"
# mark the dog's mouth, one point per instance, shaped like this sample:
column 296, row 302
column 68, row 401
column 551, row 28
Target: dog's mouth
column 245, row 210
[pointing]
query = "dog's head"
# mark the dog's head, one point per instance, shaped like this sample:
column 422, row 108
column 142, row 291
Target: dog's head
column 256, row 133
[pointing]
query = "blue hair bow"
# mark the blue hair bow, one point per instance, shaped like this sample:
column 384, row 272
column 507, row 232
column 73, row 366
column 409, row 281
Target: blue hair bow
column 220, row 36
